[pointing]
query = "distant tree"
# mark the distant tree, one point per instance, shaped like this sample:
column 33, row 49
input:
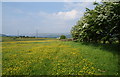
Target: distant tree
column 62, row 37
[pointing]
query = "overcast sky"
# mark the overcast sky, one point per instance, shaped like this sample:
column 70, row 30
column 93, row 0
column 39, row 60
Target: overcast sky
column 45, row 17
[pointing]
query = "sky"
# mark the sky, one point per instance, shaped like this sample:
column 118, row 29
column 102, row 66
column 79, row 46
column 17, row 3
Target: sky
column 0, row 17
column 44, row 17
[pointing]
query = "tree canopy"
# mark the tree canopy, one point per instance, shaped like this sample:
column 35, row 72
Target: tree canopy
column 62, row 37
column 100, row 24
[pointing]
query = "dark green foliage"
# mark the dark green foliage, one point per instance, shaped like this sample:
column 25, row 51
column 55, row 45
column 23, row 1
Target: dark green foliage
column 99, row 24
column 62, row 37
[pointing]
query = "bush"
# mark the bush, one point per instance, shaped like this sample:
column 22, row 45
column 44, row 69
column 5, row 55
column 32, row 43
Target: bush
column 62, row 37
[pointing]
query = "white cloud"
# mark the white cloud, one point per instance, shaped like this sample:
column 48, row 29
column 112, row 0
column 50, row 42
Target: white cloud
column 68, row 15
column 64, row 16
column 62, row 21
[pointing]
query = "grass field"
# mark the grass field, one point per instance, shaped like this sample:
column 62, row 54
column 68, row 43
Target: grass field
column 54, row 57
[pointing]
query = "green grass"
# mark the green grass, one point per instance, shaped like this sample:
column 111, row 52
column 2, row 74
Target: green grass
column 54, row 57
column 104, row 56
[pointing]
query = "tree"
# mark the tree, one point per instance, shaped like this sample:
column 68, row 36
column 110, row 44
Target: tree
column 62, row 37
column 99, row 24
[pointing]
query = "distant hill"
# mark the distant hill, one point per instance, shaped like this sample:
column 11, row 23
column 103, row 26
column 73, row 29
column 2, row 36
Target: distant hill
column 3, row 35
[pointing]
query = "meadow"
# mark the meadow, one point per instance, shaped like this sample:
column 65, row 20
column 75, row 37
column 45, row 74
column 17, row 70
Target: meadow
column 54, row 57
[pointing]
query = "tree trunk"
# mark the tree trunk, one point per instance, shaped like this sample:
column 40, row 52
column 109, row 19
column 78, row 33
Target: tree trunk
column 104, row 41
column 118, row 39
column 110, row 42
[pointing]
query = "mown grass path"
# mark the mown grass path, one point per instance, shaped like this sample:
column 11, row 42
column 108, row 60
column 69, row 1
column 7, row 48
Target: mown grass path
column 54, row 57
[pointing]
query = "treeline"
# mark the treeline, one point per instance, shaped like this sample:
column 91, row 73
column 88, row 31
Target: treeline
column 100, row 24
column 25, row 36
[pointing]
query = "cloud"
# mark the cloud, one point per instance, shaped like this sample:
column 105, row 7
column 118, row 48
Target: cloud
column 68, row 15
column 62, row 21
column 57, row 22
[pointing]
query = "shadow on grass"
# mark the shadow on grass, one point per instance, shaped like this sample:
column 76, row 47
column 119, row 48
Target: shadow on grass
column 114, row 48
